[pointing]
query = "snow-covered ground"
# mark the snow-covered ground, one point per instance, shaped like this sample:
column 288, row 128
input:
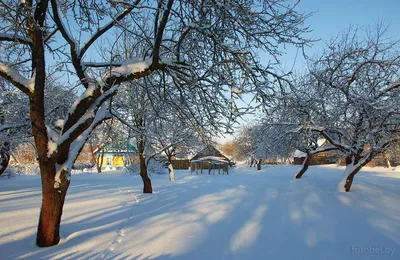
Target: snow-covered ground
column 246, row 215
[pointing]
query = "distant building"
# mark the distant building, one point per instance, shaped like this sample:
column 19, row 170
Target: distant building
column 329, row 157
column 116, row 156
column 211, row 151
column 211, row 159
column 390, row 157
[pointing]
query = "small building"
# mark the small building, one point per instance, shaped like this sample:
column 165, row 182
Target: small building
column 211, row 164
column 210, row 159
column 116, row 156
column 211, row 151
column 327, row 157
column 336, row 157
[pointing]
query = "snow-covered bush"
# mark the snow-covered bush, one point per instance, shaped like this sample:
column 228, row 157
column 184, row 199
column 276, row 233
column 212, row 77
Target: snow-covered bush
column 22, row 169
column 153, row 167
column 82, row 167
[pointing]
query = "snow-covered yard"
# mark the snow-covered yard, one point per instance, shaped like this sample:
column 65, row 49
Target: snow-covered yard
column 246, row 215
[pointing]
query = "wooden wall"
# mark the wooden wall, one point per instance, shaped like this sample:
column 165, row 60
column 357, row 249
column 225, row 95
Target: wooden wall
column 180, row 164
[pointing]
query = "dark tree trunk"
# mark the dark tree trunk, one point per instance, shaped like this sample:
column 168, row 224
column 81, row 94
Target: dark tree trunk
column 48, row 233
column 4, row 149
column 4, row 156
column 251, row 162
column 304, row 167
column 348, row 160
column 259, row 165
column 353, row 168
column 350, row 177
column 147, row 188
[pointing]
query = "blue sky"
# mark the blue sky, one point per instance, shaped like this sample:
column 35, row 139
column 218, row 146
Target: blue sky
column 332, row 17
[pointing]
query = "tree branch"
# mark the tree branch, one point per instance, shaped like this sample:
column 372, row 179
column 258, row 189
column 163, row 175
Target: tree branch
column 15, row 38
column 19, row 81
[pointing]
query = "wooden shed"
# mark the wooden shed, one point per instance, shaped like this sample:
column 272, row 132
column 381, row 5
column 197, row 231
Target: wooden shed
column 211, row 151
column 210, row 164
column 327, row 157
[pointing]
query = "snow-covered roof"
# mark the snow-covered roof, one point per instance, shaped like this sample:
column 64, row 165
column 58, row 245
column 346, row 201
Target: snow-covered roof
column 191, row 156
column 224, row 154
column 298, row 154
column 321, row 141
column 117, row 148
column 211, row 158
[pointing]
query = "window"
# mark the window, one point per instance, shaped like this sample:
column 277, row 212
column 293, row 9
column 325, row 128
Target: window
column 109, row 161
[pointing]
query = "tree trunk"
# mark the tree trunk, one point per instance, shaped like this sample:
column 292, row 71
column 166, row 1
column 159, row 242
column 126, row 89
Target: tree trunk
column 387, row 161
column 4, row 149
column 4, row 156
column 48, row 233
column 100, row 160
column 353, row 168
column 259, row 165
column 170, row 168
column 348, row 160
column 147, row 188
column 304, row 167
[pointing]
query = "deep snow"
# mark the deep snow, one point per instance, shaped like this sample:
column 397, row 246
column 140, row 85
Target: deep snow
column 246, row 215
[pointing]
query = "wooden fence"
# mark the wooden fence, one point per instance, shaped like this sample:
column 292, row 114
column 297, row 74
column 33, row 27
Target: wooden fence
column 180, row 164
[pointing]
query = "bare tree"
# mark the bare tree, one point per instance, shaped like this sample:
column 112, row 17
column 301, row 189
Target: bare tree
column 189, row 40
column 358, row 87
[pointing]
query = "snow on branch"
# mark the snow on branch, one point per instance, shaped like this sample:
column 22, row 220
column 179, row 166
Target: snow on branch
column 392, row 87
column 25, row 85
column 15, row 38
column 77, row 145
column 325, row 148
column 101, row 64
column 90, row 114
column 127, row 68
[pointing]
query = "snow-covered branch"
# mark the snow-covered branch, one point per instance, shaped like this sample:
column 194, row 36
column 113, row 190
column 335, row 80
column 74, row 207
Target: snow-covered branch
column 24, row 84
column 15, row 38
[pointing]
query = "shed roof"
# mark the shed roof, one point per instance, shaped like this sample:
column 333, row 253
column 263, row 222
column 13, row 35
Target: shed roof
column 211, row 158
column 210, row 150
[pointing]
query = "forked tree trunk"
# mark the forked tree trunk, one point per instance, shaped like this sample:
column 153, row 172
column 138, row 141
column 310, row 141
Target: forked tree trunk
column 352, row 170
column 304, row 167
column 147, row 188
column 356, row 164
column 259, row 165
column 4, row 156
column 53, row 199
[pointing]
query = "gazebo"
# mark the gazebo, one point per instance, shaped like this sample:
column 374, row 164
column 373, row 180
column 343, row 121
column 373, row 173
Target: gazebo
column 210, row 163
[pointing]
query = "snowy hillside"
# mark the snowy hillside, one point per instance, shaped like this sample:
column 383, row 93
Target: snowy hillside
column 246, row 215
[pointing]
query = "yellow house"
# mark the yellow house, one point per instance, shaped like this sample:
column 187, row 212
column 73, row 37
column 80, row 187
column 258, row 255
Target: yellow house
column 116, row 156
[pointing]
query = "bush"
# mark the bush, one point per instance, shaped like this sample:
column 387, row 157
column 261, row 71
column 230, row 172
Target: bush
column 22, row 169
column 154, row 167
column 82, row 167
